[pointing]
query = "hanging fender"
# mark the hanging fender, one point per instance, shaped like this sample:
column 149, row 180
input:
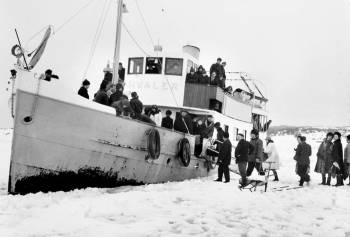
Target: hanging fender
column 153, row 143
column 184, row 151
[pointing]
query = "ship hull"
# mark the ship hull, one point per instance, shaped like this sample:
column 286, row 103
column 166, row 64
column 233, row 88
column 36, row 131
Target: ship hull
column 67, row 146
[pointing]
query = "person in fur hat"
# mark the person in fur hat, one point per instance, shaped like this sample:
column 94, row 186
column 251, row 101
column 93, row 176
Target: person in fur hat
column 337, row 159
column 324, row 159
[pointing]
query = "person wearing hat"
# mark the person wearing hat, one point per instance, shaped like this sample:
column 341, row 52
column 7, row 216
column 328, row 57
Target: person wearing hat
column 217, row 68
column 324, row 159
column 256, row 158
column 219, row 136
column 242, row 152
column 272, row 161
column 191, row 77
column 224, row 159
column 302, row 157
column 337, row 159
column 347, row 158
column 83, row 91
column 136, row 105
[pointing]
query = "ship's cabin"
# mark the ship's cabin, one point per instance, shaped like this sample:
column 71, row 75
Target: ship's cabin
column 160, row 79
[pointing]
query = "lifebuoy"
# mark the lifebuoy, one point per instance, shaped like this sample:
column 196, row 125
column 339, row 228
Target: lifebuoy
column 184, row 151
column 17, row 51
column 153, row 143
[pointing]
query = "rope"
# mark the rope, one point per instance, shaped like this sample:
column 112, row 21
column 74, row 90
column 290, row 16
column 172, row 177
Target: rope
column 97, row 35
column 135, row 41
column 144, row 22
column 72, row 17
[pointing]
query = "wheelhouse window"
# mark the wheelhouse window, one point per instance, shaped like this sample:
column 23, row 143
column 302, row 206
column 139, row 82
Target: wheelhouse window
column 154, row 65
column 173, row 66
column 135, row 66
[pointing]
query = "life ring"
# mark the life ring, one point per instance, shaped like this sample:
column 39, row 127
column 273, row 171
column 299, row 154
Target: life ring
column 184, row 151
column 153, row 143
column 17, row 51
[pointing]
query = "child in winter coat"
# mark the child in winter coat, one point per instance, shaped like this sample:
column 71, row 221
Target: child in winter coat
column 272, row 161
column 347, row 158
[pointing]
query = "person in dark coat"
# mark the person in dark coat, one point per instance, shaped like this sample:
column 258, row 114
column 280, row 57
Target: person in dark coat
column 183, row 122
column 242, row 152
column 302, row 157
column 337, row 159
column 123, row 107
column 101, row 96
column 83, row 91
column 167, row 121
column 256, row 158
column 217, row 68
column 121, row 72
column 48, row 75
column 191, row 77
column 198, row 129
column 224, row 159
column 136, row 105
column 117, row 94
column 219, row 136
column 324, row 159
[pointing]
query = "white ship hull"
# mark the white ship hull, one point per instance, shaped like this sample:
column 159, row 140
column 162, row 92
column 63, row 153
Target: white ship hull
column 82, row 144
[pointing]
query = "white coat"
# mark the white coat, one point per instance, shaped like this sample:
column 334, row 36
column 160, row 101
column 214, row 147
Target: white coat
column 273, row 157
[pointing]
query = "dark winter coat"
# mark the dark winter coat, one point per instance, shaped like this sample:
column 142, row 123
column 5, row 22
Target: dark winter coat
column 225, row 153
column 257, row 154
column 337, row 155
column 203, row 79
column 121, row 74
column 191, row 78
column 324, row 158
column 136, row 105
column 243, row 150
column 219, row 137
column 198, row 129
column 83, row 92
column 217, row 68
column 115, row 97
column 167, row 122
column 303, row 153
column 179, row 124
column 101, row 97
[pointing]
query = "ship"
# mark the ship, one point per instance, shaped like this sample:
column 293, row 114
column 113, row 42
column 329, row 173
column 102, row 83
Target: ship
column 62, row 141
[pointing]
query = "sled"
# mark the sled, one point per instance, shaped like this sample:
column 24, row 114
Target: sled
column 252, row 185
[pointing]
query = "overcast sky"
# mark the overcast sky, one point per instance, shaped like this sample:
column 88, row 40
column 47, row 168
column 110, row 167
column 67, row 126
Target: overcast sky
column 300, row 49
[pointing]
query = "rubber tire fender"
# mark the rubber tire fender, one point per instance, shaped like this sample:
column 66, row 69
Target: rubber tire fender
column 153, row 143
column 184, row 151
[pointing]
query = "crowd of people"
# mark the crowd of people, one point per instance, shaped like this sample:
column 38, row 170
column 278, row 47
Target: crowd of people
column 217, row 75
column 248, row 156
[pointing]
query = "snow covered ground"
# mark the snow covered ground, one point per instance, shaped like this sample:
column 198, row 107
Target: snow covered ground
column 197, row 207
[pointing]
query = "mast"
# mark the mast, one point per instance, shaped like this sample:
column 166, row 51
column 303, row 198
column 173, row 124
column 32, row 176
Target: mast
column 117, row 42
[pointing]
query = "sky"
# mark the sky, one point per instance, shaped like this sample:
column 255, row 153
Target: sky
column 299, row 50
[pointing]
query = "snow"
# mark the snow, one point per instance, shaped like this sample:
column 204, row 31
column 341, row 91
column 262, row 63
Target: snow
column 198, row 207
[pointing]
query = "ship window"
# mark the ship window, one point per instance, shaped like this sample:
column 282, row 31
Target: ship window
column 173, row 66
column 154, row 65
column 135, row 66
column 189, row 66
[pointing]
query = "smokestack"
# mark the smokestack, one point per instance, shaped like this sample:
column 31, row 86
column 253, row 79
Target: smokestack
column 191, row 50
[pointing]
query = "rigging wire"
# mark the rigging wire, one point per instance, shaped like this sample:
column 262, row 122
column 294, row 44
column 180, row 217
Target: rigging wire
column 72, row 17
column 135, row 41
column 102, row 19
column 144, row 22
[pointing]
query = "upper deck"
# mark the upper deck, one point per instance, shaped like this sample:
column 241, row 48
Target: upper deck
column 161, row 80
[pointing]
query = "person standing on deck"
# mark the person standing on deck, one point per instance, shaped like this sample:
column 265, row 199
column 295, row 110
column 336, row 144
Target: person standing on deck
column 83, row 91
column 241, row 154
column 272, row 161
column 101, row 96
column 256, row 158
column 167, row 121
column 217, row 68
column 121, row 72
column 324, row 159
column 337, row 159
column 224, row 159
column 136, row 105
column 219, row 136
column 302, row 157
column 347, row 159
